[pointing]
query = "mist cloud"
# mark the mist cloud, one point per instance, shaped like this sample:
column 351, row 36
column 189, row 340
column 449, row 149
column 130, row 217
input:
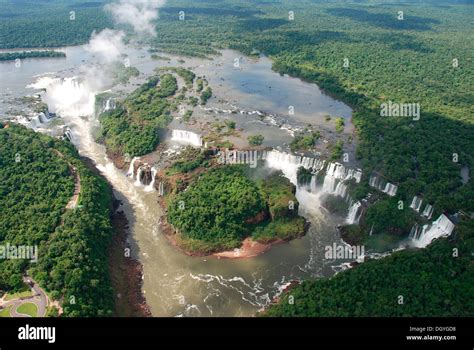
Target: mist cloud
column 108, row 44
column 140, row 14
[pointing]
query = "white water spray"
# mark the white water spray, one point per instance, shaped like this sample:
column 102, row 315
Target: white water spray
column 187, row 137
column 441, row 227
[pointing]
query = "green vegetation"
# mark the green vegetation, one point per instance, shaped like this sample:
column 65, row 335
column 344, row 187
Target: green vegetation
column 190, row 159
column 26, row 293
column 45, row 23
column 384, row 55
column 36, row 183
column 28, row 309
column 206, row 95
column 337, row 150
column 304, row 142
column 339, row 125
column 280, row 196
column 432, row 282
column 255, row 140
column 283, row 229
column 11, row 56
column 52, row 311
column 187, row 75
column 230, row 124
column 123, row 73
column 224, row 205
column 389, row 60
column 214, row 209
column 187, row 116
column 199, row 84
column 5, row 312
column 384, row 216
column 31, row 202
column 133, row 126
column 160, row 58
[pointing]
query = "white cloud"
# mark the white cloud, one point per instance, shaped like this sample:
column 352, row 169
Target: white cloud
column 140, row 14
column 108, row 44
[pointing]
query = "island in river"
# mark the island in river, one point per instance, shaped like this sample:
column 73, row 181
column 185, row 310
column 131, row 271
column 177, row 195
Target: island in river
column 232, row 210
column 210, row 207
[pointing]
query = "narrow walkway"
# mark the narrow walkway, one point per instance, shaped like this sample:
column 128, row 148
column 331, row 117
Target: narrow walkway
column 73, row 202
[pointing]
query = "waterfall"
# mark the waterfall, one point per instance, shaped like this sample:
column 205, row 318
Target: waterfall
column 428, row 211
column 414, row 231
column 139, row 175
column 352, row 217
column 289, row 164
column 383, row 186
column 35, row 122
column 188, row 137
column 67, row 96
column 286, row 162
column 68, row 134
column 332, row 185
column 390, row 189
column 441, row 227
column 42, row 118
column 151, row 186
column 339, row 171
column 109, row 104
column 312, row 184
column 416, row 203
column 334, row 182
column 131, row 168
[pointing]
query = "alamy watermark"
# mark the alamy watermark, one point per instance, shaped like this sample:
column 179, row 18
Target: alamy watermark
column 238, row 157
column 393, row 109
column 339, row 251
column 19, row 252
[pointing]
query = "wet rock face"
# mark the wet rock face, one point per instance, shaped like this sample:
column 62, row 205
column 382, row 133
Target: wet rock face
column 146, row 176
column 162, row 185
column 142, row 173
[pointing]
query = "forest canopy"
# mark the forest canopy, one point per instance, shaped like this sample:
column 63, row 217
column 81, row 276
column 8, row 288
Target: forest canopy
column 226, row 204
column 36, row 184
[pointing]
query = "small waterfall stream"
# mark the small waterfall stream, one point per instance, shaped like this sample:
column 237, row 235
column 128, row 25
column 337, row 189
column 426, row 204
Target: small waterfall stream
column 187, row 137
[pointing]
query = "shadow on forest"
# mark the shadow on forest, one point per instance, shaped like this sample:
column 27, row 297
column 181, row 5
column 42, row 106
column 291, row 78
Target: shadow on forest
column 282, row 41
column 385, row 20
column 259, row 24
column 389, row 145
column 465, row 98
column 209, row 11
column 404, row 42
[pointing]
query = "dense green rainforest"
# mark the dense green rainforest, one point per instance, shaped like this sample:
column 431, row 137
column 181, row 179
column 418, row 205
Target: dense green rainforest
column 36, row 184
column 44, row 23
column 10, row 56
column 364, row 55
column 214, row 208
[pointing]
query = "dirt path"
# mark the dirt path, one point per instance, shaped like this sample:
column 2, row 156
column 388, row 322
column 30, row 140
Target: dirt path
column 73, row 202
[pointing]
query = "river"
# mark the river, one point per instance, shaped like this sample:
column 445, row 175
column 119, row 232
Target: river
column 176, row 284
